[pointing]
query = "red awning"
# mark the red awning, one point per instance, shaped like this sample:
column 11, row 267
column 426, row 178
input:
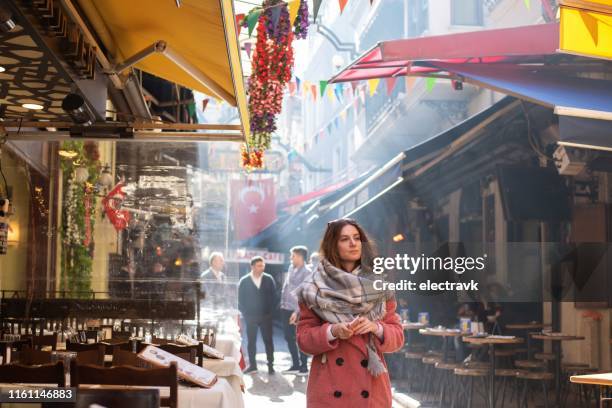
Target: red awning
column 314, row 194
column 408, row 57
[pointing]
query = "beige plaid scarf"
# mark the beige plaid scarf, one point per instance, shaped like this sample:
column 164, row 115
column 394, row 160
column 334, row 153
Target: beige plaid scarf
column 337, row 296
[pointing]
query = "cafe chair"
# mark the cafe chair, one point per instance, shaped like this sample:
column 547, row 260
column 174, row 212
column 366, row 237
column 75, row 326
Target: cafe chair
column 154, row 377
column 137, row 398
column 429, row 376
column 88, row 353
column 508, row 380
column 528, row 378
column 582, row 392
column 28, row 356
column 128, row 358
column 413, row 368
column 16, row 346
column 47, row 340
column 188, row 353
column 38, row 374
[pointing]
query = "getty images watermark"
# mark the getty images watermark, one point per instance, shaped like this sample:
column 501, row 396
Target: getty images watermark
column 414, row 264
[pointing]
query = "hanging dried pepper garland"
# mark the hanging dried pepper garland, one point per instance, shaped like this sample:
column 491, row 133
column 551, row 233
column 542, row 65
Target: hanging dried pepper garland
column 272, row 63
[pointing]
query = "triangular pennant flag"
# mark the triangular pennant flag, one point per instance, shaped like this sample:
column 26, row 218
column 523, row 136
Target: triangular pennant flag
column 390, row 84
column 373, row 83
column 275, row 12
column 317, row 6
column 410, row 80
column 294, row 7
column 247, row 48
column 354, row 85
column 362, row 95
column 298, row 81
column 343, row 115
column 321, row 134
column 252, row 19
column 591, row 25
column 336, row 122
column 239, row 18
column 322, row 86
column 342, row 4
column 527, row 4
column 429, row 85
column 292, row 88
column 313, row 89
column 338, row 92
column 347, row 92
column 330, row 94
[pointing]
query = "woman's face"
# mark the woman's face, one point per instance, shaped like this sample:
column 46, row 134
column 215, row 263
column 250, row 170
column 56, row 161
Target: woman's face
column 349, row 244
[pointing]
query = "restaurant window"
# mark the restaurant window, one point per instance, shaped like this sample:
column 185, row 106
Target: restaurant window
column 466, row 12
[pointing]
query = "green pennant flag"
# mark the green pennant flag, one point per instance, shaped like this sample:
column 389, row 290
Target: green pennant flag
column 191, row 108
column 252, row 19
column 430, row 84
column 322, row 86
column 528, row 4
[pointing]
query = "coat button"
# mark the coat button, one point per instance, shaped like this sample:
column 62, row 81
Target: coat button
column 339, row 361
column 337, row 394
column 365, row 394
column 364, row 363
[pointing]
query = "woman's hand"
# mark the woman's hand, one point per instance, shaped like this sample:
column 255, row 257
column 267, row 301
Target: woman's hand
column 364, row 325
column 341, row 331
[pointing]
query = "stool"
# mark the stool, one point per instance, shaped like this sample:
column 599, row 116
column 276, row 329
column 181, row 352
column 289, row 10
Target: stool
column 542, row 377
column 470, row 374
column 505, row 374
column 583, row 390
column 477, row 364
column 429, row 375
column 544, row 356
column 530, row 364
column 413, row 360
column 506, row 356
column 447, row 378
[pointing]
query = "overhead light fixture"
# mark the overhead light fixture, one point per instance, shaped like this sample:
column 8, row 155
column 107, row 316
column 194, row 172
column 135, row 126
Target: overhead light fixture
column 74, row 105
column 398, row 237
column 32, row 106
column 2, row 69
column 68, row 154
column 6, row 20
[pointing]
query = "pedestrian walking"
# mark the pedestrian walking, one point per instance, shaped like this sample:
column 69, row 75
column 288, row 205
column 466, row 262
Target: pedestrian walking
column 297, row 274
column 257, row 301
column 346, row 324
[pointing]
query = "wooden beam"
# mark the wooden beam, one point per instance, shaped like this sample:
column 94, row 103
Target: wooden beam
column 135, row 125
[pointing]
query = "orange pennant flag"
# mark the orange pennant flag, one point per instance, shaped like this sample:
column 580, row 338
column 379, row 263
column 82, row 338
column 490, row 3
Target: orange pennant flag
column 342, row 4
column 313, row 89
column 410, row 80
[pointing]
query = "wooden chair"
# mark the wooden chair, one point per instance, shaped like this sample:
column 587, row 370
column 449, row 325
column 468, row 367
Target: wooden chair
column 124, row 375
column 139, row 398
column 123, row 357
column 40, row 374
column 28, row 356
column 47, row 340
column 15, row 345
column 188, row 353
column 88, row 353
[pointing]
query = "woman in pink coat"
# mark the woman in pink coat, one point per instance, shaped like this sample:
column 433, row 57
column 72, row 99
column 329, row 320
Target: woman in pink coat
column 347, row 324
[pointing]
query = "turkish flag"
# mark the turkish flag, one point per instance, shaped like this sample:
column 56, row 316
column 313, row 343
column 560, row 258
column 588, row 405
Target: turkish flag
column 253, row 206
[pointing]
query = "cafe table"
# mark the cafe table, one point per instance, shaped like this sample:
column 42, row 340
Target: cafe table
column 445, row 334
column 601, row 380
column 527, row 327
column 491, row 342
column 556, row 339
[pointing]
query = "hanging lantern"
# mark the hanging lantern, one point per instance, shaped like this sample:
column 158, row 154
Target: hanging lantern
column 81, row 174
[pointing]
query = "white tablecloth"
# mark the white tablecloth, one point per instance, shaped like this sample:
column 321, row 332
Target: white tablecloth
column 229, row 345
column 227, row 368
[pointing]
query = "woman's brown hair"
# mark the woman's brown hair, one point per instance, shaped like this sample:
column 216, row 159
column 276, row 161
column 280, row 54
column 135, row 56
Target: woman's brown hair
column 329, row 244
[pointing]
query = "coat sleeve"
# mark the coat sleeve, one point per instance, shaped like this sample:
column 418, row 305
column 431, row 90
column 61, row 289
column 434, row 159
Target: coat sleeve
column 393, row 332
column 312, row 333
column 241, row 297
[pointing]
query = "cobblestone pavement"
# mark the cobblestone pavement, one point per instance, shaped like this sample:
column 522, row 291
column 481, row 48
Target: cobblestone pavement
column 277, row 390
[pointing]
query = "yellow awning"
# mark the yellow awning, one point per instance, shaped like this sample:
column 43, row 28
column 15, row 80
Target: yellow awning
column 200, row 32
column 586, row 28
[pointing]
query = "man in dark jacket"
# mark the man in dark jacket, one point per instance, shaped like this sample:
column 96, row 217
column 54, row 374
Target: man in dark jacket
column 256, row 301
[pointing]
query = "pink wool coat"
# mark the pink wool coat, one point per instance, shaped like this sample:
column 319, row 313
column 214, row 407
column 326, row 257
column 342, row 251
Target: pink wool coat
column 343, row 379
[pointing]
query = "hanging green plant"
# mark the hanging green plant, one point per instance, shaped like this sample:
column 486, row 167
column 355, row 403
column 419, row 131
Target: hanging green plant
column 81, row 173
